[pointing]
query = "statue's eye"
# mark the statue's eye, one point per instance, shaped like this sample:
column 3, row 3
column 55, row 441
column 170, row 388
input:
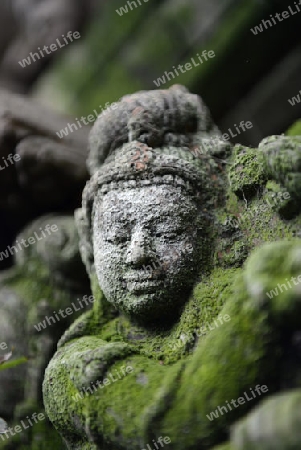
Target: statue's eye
column 116, row 236
column 168, row 235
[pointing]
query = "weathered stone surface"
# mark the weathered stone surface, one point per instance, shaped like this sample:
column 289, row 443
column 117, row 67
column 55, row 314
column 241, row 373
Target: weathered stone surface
column 50, row 172
column 159, row 220
column 48, row 277
column 157, row 118
column 32, row 119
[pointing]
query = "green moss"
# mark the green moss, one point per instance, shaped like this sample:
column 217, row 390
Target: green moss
column 182, row 374
column 206, row 384
column 158, row 365
column 295, row 129
column 32, row 283
column 224, row 447
column 247, row 172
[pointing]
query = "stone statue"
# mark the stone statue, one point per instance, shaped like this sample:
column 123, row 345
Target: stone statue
column 182, row 341
column 47, row 279
column 44, row 286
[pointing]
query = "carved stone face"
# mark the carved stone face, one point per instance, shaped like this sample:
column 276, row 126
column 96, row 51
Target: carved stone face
column 145, row 249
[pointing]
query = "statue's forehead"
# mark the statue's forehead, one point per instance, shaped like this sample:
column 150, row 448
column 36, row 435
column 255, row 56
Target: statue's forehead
column 162, row 196
column 146, row 204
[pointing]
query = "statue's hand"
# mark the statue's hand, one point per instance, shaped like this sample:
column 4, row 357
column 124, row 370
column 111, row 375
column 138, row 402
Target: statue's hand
column 273, row 280
column 89, row 366
column 273, row 425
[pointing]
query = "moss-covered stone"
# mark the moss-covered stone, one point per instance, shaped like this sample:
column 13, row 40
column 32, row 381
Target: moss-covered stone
column 247, row 173
column 227, row 336
column 44, row 281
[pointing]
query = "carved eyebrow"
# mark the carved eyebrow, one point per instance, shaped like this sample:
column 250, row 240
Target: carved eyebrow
column 113, row 216
column 170, row 228
column 171, row 219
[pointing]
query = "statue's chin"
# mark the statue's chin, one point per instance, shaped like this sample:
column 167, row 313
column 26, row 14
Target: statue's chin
column 150, row 307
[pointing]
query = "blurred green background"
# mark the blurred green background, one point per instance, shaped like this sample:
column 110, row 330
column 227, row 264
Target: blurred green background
column 251, row 77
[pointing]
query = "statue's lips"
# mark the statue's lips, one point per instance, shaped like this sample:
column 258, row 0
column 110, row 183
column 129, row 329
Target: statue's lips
column 143, row 281
column 143, row 286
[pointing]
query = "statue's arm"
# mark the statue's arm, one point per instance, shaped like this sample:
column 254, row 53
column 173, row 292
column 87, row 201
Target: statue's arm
column 242, row 354
column 153, row 399
column 177, row 400
column 273, row 424
column 120, row 382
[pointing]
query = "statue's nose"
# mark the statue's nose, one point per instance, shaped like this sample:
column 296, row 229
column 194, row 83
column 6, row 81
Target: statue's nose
column 139, row 250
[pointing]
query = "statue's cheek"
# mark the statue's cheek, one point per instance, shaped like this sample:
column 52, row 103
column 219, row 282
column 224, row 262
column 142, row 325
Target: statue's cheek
column 176, row 257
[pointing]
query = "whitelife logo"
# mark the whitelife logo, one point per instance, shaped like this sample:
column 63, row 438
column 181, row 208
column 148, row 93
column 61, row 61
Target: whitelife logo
column 265, row 24
column 161, row 440
column 49, row 320
column 286, row 286
column 202, row 331
column 91, row 118
column 109, row 379
column 24, row 425
column 270, row 203
column 184, row 68
column 124, row 9
column 242, row 127
column 30, row 241
column 295, row 100
column 53, row 48
column 3, row 346
column 241, row 401
column 9, row 160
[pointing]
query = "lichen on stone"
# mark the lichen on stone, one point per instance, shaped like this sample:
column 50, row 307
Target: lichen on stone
column 207, row 332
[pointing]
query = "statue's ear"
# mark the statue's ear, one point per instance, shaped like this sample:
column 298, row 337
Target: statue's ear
column 83, row 224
